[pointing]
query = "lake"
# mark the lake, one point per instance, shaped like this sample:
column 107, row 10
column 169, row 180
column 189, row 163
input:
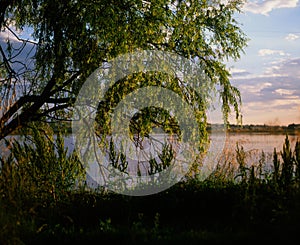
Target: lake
column 253, row 144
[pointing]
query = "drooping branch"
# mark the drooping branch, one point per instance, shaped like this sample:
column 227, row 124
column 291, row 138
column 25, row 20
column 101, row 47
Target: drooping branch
column 55, row 109
column 6, row 63
column 89, row 33
column 8, row 124
column 31, row 107
column 4, row 5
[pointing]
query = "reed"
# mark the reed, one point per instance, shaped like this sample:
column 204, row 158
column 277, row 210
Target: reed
column 40, row 200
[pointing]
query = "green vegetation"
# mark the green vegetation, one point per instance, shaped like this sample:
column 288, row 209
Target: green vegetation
column 289, row 129
column 43, row 196
column 71, row 39
column 42, row 201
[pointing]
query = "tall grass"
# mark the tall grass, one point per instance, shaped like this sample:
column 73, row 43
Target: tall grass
column 38, row 197
column 39, row 166
column 37, row 174
column 284, row 171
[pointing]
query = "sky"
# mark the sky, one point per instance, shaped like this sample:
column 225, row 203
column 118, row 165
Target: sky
column 268, row 74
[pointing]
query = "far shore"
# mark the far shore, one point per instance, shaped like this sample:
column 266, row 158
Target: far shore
column 290, row 129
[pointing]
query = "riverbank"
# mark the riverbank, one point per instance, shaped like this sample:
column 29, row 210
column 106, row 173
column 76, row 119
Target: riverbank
column 291, row 129
column 188, row 213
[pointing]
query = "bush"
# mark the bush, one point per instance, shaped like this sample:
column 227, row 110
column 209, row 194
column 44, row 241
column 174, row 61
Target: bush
column 38, row 174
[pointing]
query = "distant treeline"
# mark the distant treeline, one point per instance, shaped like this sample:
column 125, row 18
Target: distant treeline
column 249, row 128
column 291, row 128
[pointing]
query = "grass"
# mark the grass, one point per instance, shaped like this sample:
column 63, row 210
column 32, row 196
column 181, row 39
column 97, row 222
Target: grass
column 238, row 203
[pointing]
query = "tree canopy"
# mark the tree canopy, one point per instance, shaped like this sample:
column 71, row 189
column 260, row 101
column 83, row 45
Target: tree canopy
column 50, row 47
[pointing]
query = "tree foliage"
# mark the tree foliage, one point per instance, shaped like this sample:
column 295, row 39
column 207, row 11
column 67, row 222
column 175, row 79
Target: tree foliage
column 41, row 74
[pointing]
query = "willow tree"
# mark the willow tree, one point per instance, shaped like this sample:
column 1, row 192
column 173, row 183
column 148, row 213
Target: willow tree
column 50, row 47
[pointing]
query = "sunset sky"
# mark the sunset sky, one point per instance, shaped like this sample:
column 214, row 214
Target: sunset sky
column 268, row 74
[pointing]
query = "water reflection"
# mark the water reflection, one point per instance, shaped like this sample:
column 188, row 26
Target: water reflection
column 252, row 143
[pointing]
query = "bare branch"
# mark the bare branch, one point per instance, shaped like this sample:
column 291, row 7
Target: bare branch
column 9, row 69
column 53, row 109
column 20, row 39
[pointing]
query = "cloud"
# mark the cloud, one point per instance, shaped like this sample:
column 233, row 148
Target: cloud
column 6, row 35
column 292, row 37
column 286, row 92
column 275, row 71
column 288, row 67
column 265, row 52
column 266, row 6
column 279, row 67
column 22, row 55
column 236, row 70
column 238, row 73
column 256, row 88
column 272, row 94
